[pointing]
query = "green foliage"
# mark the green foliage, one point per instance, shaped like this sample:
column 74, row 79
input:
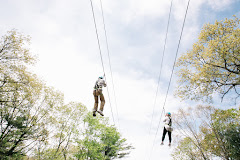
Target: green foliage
column 25, row 101
column 65, row 125
column 208, row 133
column 186, row 150
column 213, row 64
column 16, row 101
column 101, row 141
column 225, row 134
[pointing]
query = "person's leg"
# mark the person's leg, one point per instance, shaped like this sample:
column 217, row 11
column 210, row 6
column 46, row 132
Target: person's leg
column 95, row 102
column 102, row 99
column 170, row 137
column 164, row 134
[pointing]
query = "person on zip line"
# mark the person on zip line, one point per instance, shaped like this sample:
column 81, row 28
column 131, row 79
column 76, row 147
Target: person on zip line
column 97, row 92
column 167, row 128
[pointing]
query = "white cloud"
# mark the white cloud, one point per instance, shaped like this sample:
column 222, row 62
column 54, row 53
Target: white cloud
column 128, row 11
column 220, row 4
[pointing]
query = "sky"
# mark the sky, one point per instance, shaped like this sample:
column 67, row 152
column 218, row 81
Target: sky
column 64, row 39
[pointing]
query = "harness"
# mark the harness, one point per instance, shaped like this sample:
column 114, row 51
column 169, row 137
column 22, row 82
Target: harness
column 96, row 86
column 170, row 122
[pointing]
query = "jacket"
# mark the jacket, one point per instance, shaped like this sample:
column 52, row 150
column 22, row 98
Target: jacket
column 168, row 123
column 99, row 84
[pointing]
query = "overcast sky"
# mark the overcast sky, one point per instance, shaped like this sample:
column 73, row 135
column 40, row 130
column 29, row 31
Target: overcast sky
column 64, row 39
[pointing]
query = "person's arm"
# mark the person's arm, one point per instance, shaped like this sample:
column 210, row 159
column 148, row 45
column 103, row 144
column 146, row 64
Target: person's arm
column 104, row 83
column 164, row 120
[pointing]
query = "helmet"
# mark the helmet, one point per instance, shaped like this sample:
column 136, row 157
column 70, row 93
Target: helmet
column 100, row 77
column 169, row 113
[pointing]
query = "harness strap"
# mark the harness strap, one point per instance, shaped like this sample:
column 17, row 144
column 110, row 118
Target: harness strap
column 96, row 85
column 170, row 122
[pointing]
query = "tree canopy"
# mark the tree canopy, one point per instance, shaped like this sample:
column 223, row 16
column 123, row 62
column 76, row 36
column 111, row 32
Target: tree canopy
column 208, row 133
column 213, row 63
column 102, row 141
column 25, row 101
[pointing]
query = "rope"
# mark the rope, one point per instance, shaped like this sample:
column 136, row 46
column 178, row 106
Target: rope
column 101, row 56
column 106, row 38
column 172, row 70
column 160, row 71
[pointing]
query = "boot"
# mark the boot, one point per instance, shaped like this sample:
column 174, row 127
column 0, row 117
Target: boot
column 94, row 113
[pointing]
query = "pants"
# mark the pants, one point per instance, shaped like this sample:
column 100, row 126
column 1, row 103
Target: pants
column 96, row 94
column 169, row 135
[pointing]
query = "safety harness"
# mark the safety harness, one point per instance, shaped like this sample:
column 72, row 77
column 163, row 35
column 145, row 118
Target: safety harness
column 170, row 122
column 96, row 87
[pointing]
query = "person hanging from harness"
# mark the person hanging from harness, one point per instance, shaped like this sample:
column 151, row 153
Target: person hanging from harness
column 167, row 128
column 97, row 92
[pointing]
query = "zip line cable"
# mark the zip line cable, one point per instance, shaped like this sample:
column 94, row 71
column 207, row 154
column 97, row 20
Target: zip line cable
column 163, row 110
column 172, row 69
column 106, row 38
column 160, row 71
column 99, row 47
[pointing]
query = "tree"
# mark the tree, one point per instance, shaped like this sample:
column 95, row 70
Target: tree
column 186, row 125
column 101, row 141
column 213, row 63
column 75, row 133
column 186, row 149
column 208, row 133
column 25, row 100
column 224, row 137
column 65, row 127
